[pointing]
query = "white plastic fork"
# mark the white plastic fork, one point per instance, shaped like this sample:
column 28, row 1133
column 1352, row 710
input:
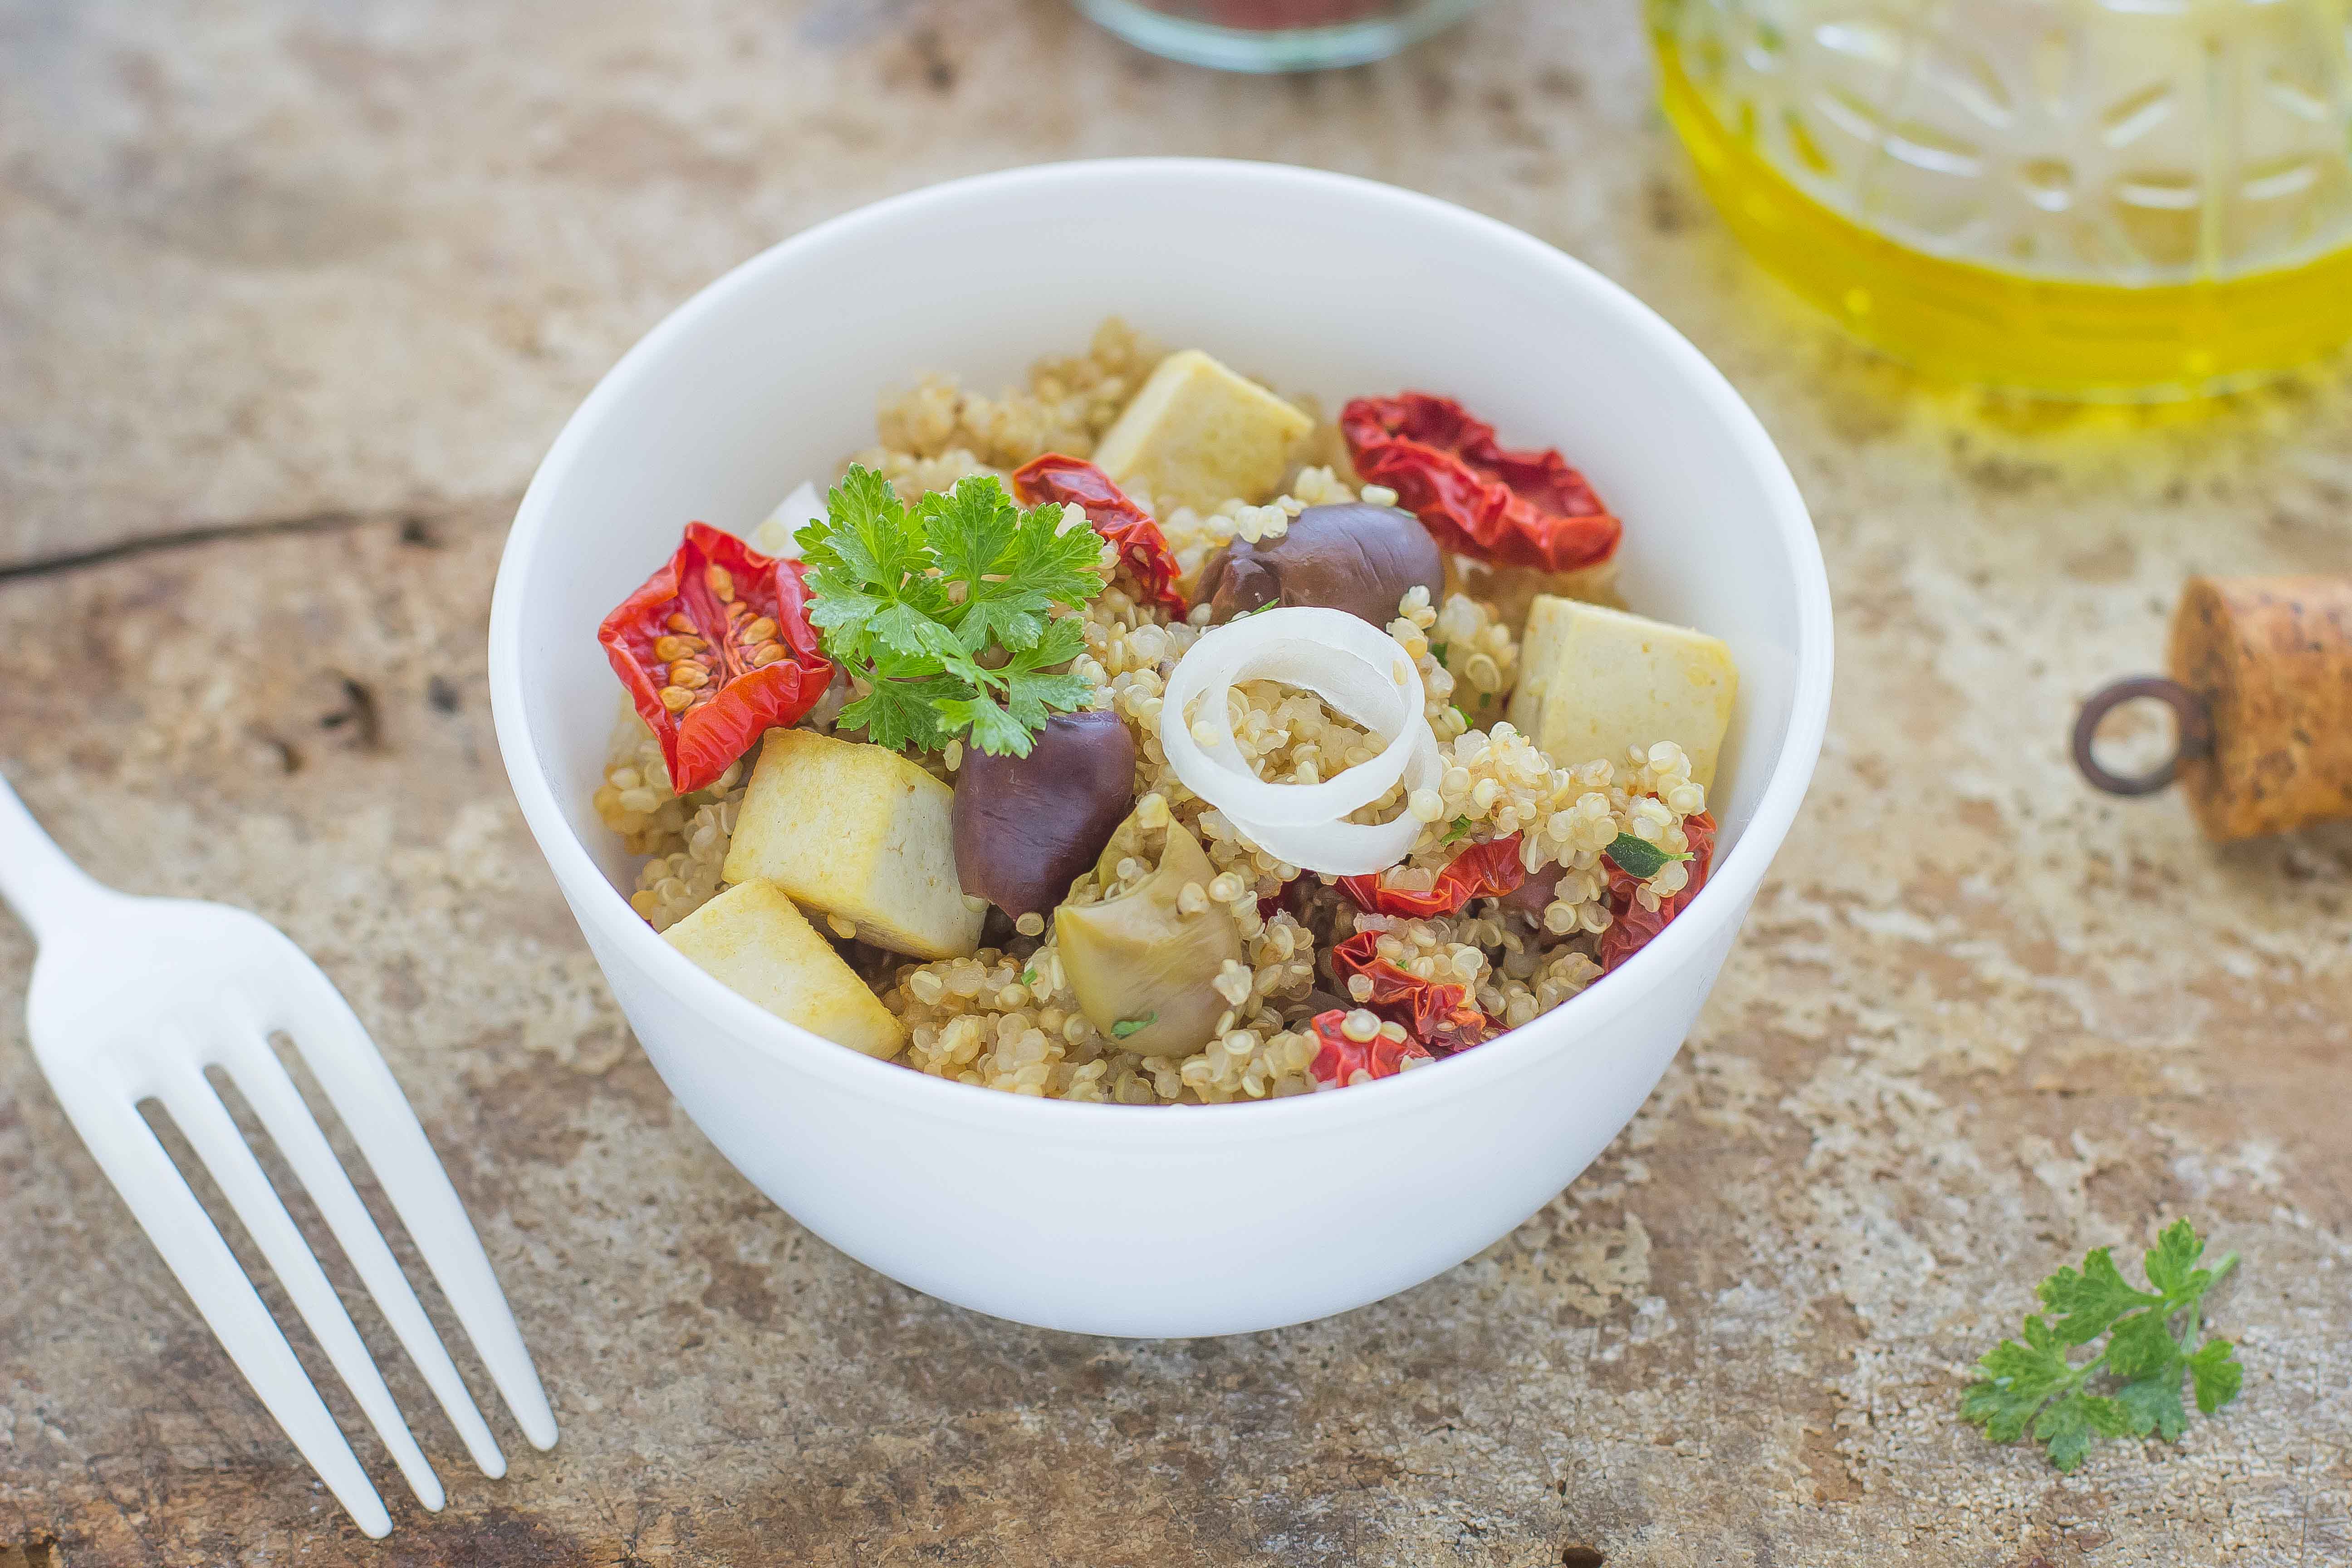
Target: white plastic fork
column 133, row 999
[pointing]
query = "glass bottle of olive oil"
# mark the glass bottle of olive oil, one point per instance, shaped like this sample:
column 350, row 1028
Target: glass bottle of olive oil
column 2096, row 199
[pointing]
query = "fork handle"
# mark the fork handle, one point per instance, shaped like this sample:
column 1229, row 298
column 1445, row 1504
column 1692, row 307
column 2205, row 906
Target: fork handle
column 45, row 889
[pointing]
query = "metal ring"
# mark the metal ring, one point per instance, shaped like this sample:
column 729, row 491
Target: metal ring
column 2195, row 738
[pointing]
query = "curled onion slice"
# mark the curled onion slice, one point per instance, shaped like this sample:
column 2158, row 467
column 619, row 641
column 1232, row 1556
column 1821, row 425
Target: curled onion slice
column 1351, row 664
column 1351, row 849
column 1369, row 680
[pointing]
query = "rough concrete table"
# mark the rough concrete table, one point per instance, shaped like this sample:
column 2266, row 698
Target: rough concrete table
column 291, row 298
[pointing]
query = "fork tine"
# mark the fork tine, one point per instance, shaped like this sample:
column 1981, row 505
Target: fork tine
column 335, row 1046
column 266, row 1087
column 206, row 1123
column 126, row 1150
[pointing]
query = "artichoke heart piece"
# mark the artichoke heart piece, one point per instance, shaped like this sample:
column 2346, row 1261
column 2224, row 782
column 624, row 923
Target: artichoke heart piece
column 1141, row 967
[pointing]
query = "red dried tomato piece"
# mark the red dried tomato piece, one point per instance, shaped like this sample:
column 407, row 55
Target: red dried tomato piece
column 1480, row 500
column 1485, row 870
column 715, row 649
column 1142, row 548
column 1341, row 1058
column 1437, row 1014
column 1630, row 926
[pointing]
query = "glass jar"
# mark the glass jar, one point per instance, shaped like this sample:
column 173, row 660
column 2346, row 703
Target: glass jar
column 2083, row 198
column 1275, row 35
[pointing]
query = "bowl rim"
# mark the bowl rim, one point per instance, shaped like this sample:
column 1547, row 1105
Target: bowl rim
column 745, row 1024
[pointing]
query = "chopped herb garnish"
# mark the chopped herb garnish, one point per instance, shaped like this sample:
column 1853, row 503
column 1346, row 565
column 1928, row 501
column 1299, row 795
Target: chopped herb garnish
column 944, row 610
column 1639, row 858
column 1437, row 651
column 1028, row 977
column 1455, row 709
column 1455, row 829
column 1126, row 1026
column 2033, row 1381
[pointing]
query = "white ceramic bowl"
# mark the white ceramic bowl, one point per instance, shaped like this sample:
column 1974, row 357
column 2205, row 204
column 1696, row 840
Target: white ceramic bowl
column 1128, row 1220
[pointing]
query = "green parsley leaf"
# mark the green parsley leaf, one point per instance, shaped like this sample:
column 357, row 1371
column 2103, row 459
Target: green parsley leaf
column 992, row 729
column 2020, row 1376
column 946, row 611
column 2070, row 1422
column 2170, row 1267
column 2153, row 1404
column 902, row 709
column 1126, row 1026
column 1437, row 651
column 1639, row 858
column 1015, row 566
column 2033, row 1382
column 1455, row 829
column 1456, row 708
column 2216, row 1374
column 1028, row 977
column 2090, row 1301
column 2141, row 1346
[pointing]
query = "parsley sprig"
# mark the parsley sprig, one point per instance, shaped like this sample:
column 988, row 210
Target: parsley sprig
column 945, row 610
column 2034, row 1381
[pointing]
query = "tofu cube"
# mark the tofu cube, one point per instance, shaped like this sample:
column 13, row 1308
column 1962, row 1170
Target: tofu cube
column 755, row 942
column 1594, row 681
column 1198, row 435
column 852, row 830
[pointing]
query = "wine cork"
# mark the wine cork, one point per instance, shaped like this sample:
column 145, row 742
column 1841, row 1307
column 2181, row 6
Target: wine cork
column 2272, row 658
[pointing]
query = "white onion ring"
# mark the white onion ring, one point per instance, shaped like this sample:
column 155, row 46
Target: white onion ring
column 1351, row 849
column 1294, row 646
column 1369, row 680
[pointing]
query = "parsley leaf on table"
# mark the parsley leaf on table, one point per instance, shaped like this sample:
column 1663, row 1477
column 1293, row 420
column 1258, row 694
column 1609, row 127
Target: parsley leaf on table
column 945, row 612
column 2034, row 1383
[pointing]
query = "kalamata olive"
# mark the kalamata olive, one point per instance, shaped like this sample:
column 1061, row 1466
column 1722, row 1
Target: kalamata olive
column 1316, row 1000
column 1353, row 556
column 1534, row 896
column 1025, row 826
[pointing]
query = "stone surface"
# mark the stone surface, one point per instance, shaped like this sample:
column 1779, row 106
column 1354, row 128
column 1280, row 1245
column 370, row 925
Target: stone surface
column 346, row 268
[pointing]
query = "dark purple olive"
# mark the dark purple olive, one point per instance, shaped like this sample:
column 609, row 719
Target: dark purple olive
column 1534, row 896
column 1355, row 557
column 1025, row 827
column 1317, row 1001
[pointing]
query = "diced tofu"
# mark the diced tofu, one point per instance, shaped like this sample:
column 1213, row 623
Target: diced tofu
column 1198, row 435
column 755, row 942
column 860, row 833
column 1594, row 681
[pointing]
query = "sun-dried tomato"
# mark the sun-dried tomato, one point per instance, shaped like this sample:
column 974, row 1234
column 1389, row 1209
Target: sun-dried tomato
column 715, row 649
column 1437, row 1014
column 1340, row 1059
column 1630, row 926
column 1491, row 503
column 1485, row 870
column 1142, row 548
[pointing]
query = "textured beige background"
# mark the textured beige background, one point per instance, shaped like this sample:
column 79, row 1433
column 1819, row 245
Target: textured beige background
column 344, row 268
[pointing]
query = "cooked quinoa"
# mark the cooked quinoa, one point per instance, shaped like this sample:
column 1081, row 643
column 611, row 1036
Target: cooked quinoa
column 1006, row 1017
